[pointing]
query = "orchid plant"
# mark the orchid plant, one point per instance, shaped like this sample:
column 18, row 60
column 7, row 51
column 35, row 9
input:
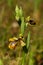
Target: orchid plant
column 20, row 39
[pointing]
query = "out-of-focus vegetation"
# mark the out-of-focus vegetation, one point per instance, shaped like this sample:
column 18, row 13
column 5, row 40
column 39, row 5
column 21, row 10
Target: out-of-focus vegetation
column 32, row 8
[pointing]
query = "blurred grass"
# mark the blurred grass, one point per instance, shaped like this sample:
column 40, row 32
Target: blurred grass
column 36, row 4
column 1, row 62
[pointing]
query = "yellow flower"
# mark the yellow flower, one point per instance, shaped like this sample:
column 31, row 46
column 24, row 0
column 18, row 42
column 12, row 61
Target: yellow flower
column 12, row 45
column 20, row 35
column 28, row 18
column 13, row 42
column 13, row 39
column 22, row 43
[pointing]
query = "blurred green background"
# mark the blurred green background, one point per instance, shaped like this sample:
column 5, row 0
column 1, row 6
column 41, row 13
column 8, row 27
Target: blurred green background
column 33, row 8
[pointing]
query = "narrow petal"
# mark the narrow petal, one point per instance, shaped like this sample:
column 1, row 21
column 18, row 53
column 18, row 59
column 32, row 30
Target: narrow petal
column 22, row 43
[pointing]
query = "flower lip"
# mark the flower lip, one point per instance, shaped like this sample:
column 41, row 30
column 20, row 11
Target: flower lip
column 12, row 45
column 32, row 22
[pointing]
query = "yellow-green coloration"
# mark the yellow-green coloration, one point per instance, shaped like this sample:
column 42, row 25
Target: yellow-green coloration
column 1, row 62
column 14, row 41
column 12, row 45
column 28, row 18
column 17, row 13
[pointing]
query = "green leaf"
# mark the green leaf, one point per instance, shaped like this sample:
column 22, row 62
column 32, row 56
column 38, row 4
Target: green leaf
column 23, row 60
column 28, row 40
column 22, row 25
column 31, row 62
column 31, row 57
